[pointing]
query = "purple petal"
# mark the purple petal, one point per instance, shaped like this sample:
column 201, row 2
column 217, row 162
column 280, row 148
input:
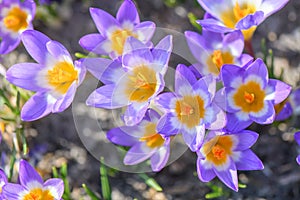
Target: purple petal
column 258, row 68
column 8, row 44
column 55, row 186
column 145, row 30
column 217, row 118
column 280, row 91
column 285, row 113
column 234, row 41
column 298, row 159
column 57, row 50
column 250, row 20
column 123, row 135
column 103, row 20
column 27, row 174
column 133, row 44
column 206, row 83
column 13, row 191
column 234, row 124
column 152, row 116
column 160, row 158
column 135, row 113
column 248, row 161
column 82, row 70
column 103, row 98
column 164, row 100
column 194, row 137
column 184, row 76
column 266, row 115
column 63, row 103
column 113, row 73
column 229, row 176
column 168, row 125
column 229, row 73
column 214, row 26
column 96, row 66
column 30, row 5
column 128, row 13
column 297, row 137
column 24, row 75
column 36, row 107
column 204, row 174
column 35, row 43
column 245, row 139
column 138, row 153
column 3, row 177
column 92, row 42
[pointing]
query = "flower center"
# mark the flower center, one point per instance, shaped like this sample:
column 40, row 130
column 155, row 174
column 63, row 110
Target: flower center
column 189, row 110
column 249, row 97
column 118, row 39
column 16, row 20
column 217, row 60
column 142, row 84
column 62, row 76
column 219, row 149
column 238, row 12
column 38, row 194
column 151, row 137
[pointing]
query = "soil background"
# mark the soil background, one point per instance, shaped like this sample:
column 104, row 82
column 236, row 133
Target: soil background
column 54, row 139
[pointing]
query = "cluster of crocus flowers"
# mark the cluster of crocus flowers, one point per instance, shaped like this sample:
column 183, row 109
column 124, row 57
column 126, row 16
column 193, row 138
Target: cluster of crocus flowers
column 113, row 32
column 15, row 17
column 212, row 50
column 31, row 185
column 54, row 78
column 144, row 142
column 227, row 15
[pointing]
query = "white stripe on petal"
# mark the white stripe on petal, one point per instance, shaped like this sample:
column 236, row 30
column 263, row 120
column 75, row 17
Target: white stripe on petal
column 242, row 116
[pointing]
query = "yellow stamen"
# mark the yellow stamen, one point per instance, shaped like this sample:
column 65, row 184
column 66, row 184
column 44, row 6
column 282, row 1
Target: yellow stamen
column 142, row 84
column 249, row 97
column 16, row 20
column 190, row 110
column 218, row 59
column 151, row 137
column 62, row 76
column 118, row 39
column 38, row 194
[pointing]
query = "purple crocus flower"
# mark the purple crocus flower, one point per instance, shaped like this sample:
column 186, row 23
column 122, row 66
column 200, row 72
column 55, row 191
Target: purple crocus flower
column 249, row 95
column 54, row 78
column 3, row 181
column 15, row 17
column 222, row 154
column 190, row 109
column 213, row 50
column 297, row 138
column 144, row 142
column 115, row 31
column 246, row 15
column 132, row 83
column 32, row 186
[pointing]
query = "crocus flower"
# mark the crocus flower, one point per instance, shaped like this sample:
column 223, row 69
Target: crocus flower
column 144, row 142
column 222, row 154
column 246, row 15
column 115, row 31
column 54, row 78
column 32, row 186
column 297, row 138
column 249, row 95
column 3, row 181
column 213, row 50
column 190, row 109
column 15, row 17
column 135, row 82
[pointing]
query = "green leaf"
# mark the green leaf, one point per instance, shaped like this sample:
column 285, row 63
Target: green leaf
column 90, row 192
column 106, row 191
column 151, row 182
column 193, row 19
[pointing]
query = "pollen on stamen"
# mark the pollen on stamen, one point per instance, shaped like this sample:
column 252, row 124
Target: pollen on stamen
column 218, row 152
column 249, row 97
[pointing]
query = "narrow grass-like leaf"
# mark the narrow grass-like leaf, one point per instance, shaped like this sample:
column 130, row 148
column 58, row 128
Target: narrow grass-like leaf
column 106, row 191
column 90, row 192
column 151, row 182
